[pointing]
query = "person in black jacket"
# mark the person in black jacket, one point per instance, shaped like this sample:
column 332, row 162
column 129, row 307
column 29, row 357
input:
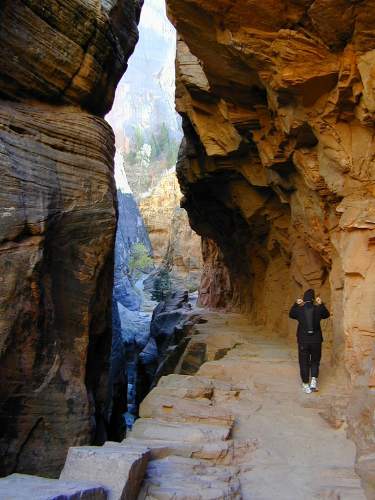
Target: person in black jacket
column 309, row 312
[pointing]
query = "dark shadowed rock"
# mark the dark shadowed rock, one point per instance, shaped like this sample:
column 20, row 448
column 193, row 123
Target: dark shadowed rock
column 61, row 61
column 73, row 52
column 171, row 325
column 130, row 325
column 57, row 231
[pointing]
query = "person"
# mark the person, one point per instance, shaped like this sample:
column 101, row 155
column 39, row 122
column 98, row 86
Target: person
column 309, row 312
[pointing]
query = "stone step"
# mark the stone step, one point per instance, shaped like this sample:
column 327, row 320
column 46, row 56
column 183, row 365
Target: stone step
column 197, row 387
column 200, row 387
column 186, row 386
column 150, row 428
column 188, row 479
column 205, row 347
column 161, row 405
column 120, row 469
column 168, row 408
column 25, row 487
column 219, row 452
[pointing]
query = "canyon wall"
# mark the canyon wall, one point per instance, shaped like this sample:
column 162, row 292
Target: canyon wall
column 60, row 65
column 277, row 168
column 176, row 247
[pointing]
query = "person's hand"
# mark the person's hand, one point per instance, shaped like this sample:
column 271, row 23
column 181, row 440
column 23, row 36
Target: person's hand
column 299, row 302
column 318, row 300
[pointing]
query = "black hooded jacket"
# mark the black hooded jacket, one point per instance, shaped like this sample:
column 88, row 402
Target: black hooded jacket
column 309, row 316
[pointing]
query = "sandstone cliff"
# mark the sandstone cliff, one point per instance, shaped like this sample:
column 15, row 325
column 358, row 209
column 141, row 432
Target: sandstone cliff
column 278, row 172
column 176, row 247
column 60, row 66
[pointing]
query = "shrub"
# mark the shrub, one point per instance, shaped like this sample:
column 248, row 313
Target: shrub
column 162, row 286
column 140, row 259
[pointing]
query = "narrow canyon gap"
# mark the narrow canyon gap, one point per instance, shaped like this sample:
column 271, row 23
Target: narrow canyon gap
column 276, row 169
column 157, row 254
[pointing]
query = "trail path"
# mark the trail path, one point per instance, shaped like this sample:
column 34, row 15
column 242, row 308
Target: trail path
column 232, row 424
column 286, row 444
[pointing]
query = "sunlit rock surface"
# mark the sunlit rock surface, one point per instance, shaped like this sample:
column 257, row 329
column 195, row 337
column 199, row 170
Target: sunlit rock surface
column 176, row 247
column 278, row 171
column 61, row 62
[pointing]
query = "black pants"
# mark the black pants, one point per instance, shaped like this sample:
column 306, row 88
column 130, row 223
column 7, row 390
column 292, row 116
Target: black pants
column 309, row 360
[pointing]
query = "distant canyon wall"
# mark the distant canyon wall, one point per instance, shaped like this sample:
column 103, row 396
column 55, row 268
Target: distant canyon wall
column 277, row 168
column 176, row 247
column 61, row 63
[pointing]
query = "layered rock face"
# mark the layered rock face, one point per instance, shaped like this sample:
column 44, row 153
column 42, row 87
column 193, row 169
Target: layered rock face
column 61, row 63
column 175, row 245
column 277, row 167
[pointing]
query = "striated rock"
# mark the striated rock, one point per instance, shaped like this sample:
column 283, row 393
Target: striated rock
column 57, row 234
column 61, row 62
column 175, row 246
column 73, row 53
column 217, row 289
column 277, row 164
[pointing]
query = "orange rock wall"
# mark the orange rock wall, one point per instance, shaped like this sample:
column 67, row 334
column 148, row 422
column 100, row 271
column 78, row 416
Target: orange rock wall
column 175, row 245
column 278, row 170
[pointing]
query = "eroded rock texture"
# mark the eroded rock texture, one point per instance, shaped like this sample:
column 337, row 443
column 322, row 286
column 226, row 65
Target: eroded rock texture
column 277, row 166
column 60, row 63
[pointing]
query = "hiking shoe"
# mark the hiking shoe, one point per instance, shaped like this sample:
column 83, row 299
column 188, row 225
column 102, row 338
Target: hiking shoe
column 314, row 384
column 306, row 388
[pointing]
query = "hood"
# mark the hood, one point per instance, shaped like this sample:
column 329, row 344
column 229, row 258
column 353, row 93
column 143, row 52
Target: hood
column 309, row 295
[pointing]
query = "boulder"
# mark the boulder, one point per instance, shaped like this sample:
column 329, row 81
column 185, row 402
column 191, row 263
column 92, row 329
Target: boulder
column 120, row 469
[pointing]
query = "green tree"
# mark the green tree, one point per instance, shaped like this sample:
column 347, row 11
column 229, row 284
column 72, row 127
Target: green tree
column 140, row 259
column 162, row 285
column 138, row 138
column 172, row 152
column 162, row 143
